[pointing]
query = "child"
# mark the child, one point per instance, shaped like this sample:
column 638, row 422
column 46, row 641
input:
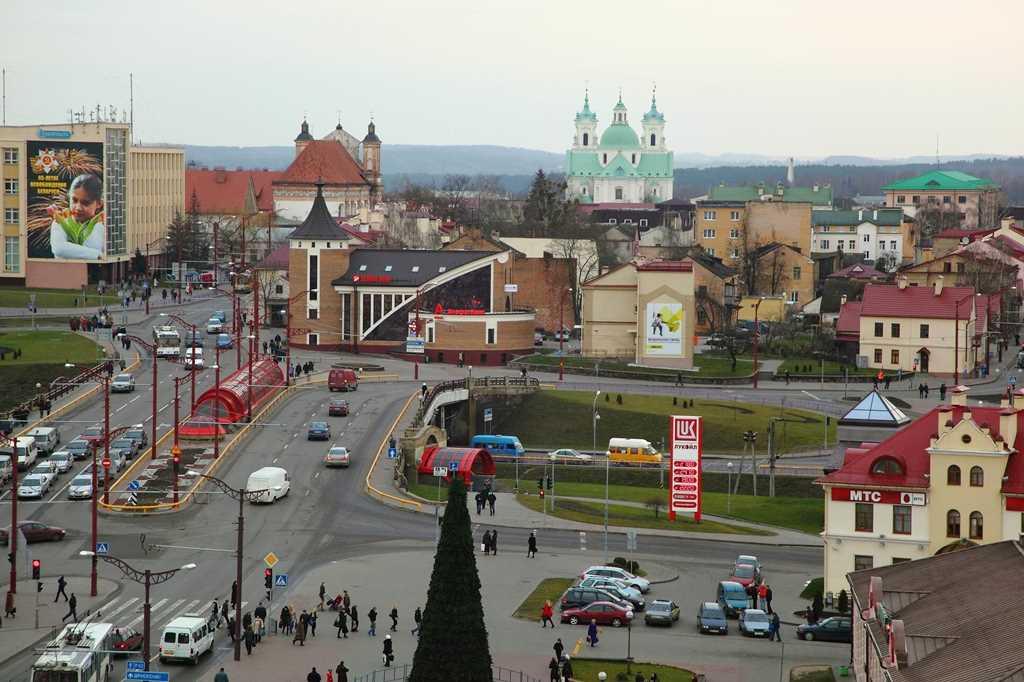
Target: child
column 79, row 230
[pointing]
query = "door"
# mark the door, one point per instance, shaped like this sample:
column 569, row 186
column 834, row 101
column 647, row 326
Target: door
column 924, row 357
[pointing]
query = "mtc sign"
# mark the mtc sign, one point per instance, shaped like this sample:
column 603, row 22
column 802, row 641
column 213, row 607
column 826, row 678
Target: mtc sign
column 685, row 443
column 879, row 496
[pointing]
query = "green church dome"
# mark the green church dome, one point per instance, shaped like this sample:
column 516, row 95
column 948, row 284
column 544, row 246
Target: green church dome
column 619, row 136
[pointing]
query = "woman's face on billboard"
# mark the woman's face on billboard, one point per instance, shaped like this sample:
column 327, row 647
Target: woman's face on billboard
column 83, row 206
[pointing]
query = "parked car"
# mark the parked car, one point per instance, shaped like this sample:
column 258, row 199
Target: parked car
column 752, row 561
column 642, row 584
column 337, row 456
column 80, row 487
column 578, row 597
column 122, row 383
column 835, row 629
column 337, row 407
column 33, row 486
column 754, row 623
column 63, row 460
column 538, row 338
column 318, row 431
column 34, row 532
column 732, row 597
column 744, row 574
column 563, row 335
column 569, row 456
column 617, row 588
column 79, row 448
column 224, row 341
column 605, row 613
column 125, row 447
column 711, row 618
column 193, row 358
column 661, row 612
column 6, row 470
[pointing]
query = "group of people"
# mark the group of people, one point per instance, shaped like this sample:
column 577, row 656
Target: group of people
column 489, row 543
column 560, row 665
column 301, row 367
column 759, row 596
column 485, row 498
column 347, row 621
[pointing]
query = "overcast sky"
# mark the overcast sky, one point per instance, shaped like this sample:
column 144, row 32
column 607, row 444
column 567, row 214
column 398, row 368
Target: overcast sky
column 785, row 77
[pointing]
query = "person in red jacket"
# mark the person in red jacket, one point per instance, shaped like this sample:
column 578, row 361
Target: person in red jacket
column 546, row 612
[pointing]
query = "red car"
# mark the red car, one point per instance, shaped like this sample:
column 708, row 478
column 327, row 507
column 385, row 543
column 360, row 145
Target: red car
column 127, row 640
column 744, row 574
column 34, row 532
column 604, row 612
column 337, row 408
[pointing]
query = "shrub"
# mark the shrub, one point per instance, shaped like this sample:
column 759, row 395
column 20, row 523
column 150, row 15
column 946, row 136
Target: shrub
column 607, row 397
column 625, row 564
column 618, row 399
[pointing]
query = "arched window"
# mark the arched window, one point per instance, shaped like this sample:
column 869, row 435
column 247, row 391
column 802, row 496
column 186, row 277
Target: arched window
column 586, row 139
column 604, row 158
column 887, row 466
column 953, row 475
column 952, row 524
column 977, row 477
column 633, row 159
column 977, row 526
column 653, row 139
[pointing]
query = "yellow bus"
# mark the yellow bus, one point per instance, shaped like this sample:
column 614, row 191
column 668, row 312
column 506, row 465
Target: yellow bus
column 633, row 451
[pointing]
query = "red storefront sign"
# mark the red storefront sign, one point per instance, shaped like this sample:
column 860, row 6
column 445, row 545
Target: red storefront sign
column 879, row 496
column 372, row 279
column 685, row 443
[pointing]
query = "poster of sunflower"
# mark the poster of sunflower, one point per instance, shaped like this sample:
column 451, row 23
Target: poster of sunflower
column 65, row 200
column 664, row 334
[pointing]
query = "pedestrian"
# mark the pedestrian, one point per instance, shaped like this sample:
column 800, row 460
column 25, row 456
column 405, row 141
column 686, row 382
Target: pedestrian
column 942, row 391
column 479, row 503
column 768, row 599
column 920, row 391
column 311, row 622
column 264, row 347
column 300, row 631
column 250, row 639
column 285, row 620
column 423, row 390
column 787, row 377
column 61, row 584
column 559, row 648
column 224, row 609
column 531, row 545
column 246, row 621
column 417, row 618
column 231, row 628
column 313, row 676
column 215, row 616
column 260, row 612
column 234, row 593
column 72, row 605
column 566, row 669
column 486, row 543
column 342, row 672
column 323, row 593
column 926, row 391
column 592, row 633
column 257, row 628
column 372, row 615
column 888, row 379
column 221, row 676
column 342, row 624
column 389, row 652
column 394, row 618
column 556, row 672
column 346, row 601
column 762, row 593
column 10, row 610
column 163, row 294
column 491, row 499
column 546, row 612
column 494, row 541
column 775, row 628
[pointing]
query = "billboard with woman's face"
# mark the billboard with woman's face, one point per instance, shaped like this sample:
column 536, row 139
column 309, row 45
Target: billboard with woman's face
column 65, row 200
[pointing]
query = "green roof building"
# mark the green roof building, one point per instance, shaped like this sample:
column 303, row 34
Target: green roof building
column 975, row 200
column 619, row 166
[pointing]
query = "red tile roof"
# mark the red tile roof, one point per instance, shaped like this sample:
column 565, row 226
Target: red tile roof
column 888, row 300
column 665, row 266
column 848, row 323
column 959, row 234
column 223, row 192
column 275, row 260
column 370, row 236
column 323, row 160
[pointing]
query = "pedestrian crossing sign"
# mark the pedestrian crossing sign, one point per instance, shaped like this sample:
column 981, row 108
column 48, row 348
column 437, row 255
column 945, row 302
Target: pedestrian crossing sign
column 281, row 580
column 103, row 548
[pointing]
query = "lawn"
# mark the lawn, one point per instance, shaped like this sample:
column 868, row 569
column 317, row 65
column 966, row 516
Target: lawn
column 799, row 366
column 631, row 517
column 563, row 419
column 19, row 297
column 803, row 514
column 549, row 589
column 428, row 491
column 811, row 675
column 49, row 347
column 586, row 670
column 709, row 364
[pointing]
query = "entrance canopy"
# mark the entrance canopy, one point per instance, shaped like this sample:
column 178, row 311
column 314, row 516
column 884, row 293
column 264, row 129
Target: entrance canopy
column 469, row 462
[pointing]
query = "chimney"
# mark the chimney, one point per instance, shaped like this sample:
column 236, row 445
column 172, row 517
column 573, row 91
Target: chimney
column 874, row 596
column 1008, row 426
column 897, row 645
column 959, row 396
column 902, row 282
column 938, row 285
column 874, row 215
column 945, row 414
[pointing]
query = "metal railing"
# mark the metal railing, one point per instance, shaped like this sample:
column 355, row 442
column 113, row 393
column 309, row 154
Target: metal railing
column 463, row 384
column 399, row 673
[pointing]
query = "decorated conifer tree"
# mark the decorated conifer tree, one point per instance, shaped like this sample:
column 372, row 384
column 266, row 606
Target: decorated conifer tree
column 453, row 638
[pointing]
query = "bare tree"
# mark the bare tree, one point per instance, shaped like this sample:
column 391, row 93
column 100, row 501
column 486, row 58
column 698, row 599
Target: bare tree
column 887, row 261
column 771, row 276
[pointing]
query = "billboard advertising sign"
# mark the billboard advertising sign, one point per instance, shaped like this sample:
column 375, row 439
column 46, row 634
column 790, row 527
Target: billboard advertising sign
column 66, row 217
column 663, row 334
column 686, row 443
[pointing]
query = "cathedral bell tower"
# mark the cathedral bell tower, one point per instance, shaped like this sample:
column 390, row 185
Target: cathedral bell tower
column 371, row 160
column 586, row 127
column 654, row 127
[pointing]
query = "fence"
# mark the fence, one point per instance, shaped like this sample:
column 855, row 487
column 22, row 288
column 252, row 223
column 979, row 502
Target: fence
column 399, row 673
column 463, row 384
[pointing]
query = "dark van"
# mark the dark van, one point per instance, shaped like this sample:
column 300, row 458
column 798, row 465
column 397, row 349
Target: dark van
column 342, row 380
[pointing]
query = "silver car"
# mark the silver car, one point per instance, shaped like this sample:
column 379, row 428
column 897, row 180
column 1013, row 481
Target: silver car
column 63, row 461
column 80, row 488
column 617, row 588
column 33, row 486
column 754, row 623
column 122, row 383
column 337, row 456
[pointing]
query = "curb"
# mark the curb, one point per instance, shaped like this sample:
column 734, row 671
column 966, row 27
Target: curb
column 665, row 582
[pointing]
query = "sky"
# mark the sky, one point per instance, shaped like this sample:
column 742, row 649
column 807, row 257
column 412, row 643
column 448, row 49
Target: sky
column 790, row 77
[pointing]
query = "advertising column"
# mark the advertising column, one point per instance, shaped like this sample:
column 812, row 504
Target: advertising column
column 685, row 438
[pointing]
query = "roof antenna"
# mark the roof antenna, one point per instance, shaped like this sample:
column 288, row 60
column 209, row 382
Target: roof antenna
column 937, row 161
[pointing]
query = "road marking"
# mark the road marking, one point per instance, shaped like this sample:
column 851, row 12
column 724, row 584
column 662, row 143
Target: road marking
column 812, row 395
column 316, row 475
column 307, row 493
column 119, row 609
column 275, row 461
column 133, row 400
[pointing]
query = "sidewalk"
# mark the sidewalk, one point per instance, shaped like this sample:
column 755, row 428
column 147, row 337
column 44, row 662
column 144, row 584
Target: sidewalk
column 19, row 633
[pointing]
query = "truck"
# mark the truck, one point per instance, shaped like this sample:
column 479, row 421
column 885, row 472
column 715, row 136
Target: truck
column 167, row 341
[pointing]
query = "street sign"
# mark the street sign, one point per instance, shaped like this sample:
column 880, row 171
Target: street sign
column 281, row 580
column 103, row 548
column 511, row 288
column 270, row 560
column 440, row 472
column 630, row 540
column 392, row 453
column 453, row 466
column 147, row 676
column 488, row 414
column 136, row 665
column 134, row 485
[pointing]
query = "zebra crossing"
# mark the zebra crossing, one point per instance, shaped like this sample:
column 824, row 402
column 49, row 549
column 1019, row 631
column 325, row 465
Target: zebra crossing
column 128, row 612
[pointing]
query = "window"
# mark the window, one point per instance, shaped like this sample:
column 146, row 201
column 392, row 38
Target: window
column 702, row 316
column 314, row 277
column 618, row 194
column 962, row 199
column 826, row 228
column 734, row 215
column 952, row 524
column 278, row 288
column 312, row 314
column 894, row 328
column 977, row 477
column 10, row 185
column 953, row 475
column 794, row 296
column 947, row 267
column 709, row 234
column 892, row 244
column 824, row 244
column 612, row 221
column 586, row 139
column 899, row 560
column 887, row 466
column 879, row 329
column 878, row 356
column 867, row 237
column 901, row 199
column 734, row 253
column 711, row 251
column 894, row 357
column 862, row 562
column 734, row 233
column 654, row 140
column 313, row 339
column 864, row 517
column 11, row 216
column 977, row 526
column 796, row 272
column 12, row 260
column 853, row 245
column 901, row 519
column 916, row 199
column 933, row 200
column 963, row 216
column 960, row 267
column 643, row 222
column 627, row 221
column 702, row 290
column 604, row 158
column 491, row 334
column 709, row 215
column 10, row 155
column 947, row 199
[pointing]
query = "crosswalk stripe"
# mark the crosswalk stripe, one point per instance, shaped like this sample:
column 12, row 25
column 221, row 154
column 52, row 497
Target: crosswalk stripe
column 109, row 614
column 152, row 608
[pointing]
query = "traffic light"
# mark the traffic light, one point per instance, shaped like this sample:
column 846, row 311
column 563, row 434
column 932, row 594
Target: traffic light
column 549, row 482
column 540, row 483
column 268, row 578
column 36, row 566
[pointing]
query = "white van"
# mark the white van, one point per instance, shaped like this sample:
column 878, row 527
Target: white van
column 47, row 438
column 186, row 638
column 27, row 452
column 274, row 480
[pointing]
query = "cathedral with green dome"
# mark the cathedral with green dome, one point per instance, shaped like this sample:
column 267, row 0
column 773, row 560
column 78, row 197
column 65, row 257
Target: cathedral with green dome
column 619, row 166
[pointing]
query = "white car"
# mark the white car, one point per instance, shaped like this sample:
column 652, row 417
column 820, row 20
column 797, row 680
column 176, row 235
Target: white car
column 63, row 461
column 214, row 326
column 122, row 383
column 193, row 357
column 642, row 584
column 33, row 486
column 569, row 456
column 80, row 487
column 47, row 470
column 337, row 456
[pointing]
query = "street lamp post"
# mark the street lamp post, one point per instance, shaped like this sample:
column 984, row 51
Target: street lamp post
column 13, row 556
column 216, row 408
column 252, row 343
column 192, row 366
column 151, row 349
column 95, row 482
column 176, row 449
column 146, row 578
column 607, row 470
column 757, row 336
column 240, row 494
column 728, row 489
column 956, row 339
column 629, row 639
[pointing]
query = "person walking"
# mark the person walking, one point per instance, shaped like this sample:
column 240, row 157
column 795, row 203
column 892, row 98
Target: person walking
column 260, row 612
column 10, row 610
column 249, row 638
column 342, row 622
column 417, row 618
column 775, row 628
column 313, row 676
column 479, row 503
column 394, row 618
column 546, row 612
column 555, row 668
column 389, row 652
column 234, row 593
column 372, row 615
column 72, row 605
column 257, row 628
column 215, row 614
column 494, row 537
column 888, row 380
column 942, row 391
column 592, row 633
column 61, row 584
column 342, row 672
column 353, row 614
column 323, row 594
column 531, row 545
column 285, row 619
column 300, row 631
column 559, row 648
column 346, row 601
column 768, row 599
column 311, row 621
column 491, row 499
column 486, row 542
column 224, row 610
column 762, row 593
column 567, row 669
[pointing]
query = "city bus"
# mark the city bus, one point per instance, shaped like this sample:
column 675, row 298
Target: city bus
column 633, row 451
column 167, row 341
column 80, row 653
column 498, row 445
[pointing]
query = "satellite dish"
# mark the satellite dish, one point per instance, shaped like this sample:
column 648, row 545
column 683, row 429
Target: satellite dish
column 503, row 257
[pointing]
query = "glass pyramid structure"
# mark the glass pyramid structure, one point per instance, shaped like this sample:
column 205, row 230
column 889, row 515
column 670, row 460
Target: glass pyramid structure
column 874, row 409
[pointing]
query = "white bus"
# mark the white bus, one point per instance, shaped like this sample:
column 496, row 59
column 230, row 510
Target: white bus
column 80, row 653
column 167, row 340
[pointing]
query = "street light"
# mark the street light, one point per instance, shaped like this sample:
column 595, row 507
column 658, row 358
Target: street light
column 956, row 338
column 607, row 470
column 240, row 494
column 147, row 578
column 629, row 639
column 252, row 343
column 216, row 408
column 192, row 365
column 757, row 336
column 176, row 449
column 728, row 489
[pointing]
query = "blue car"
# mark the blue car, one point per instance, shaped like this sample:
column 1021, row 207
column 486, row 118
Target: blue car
column 219, row 314
column 318, row 431
column 732, row 598
column 224, row 341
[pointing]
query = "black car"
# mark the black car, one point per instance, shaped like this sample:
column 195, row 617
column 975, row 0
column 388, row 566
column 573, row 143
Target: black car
column 578, row 597
column 835, row 629
column 318, row 431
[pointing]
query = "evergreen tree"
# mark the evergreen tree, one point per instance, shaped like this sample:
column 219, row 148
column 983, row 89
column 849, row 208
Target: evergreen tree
column 453, row 639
